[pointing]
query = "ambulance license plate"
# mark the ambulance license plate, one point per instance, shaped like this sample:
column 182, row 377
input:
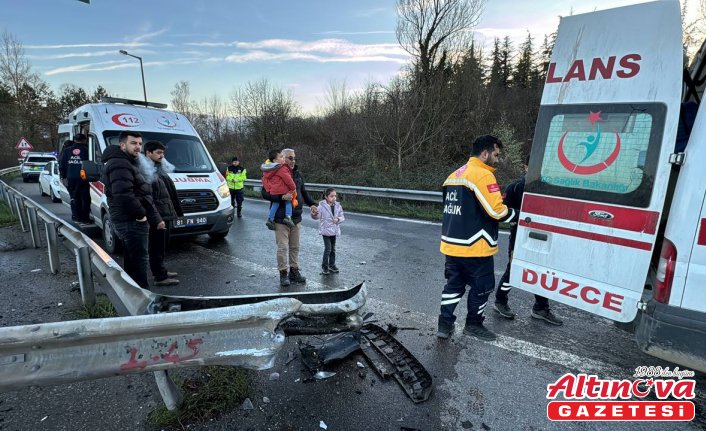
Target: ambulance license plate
column 190, row 221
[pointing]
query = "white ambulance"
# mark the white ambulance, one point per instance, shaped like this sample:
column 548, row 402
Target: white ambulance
column 202, row 190
column 613, row 218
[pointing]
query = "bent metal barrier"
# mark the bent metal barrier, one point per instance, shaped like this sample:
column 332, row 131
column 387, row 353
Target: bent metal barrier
column 162, row 332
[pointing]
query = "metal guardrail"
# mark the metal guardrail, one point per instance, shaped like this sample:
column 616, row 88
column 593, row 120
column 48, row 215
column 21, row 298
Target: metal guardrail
column 246, row 331
column 409, row 195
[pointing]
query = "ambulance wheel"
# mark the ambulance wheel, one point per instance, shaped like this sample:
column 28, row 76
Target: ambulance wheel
column 218, row 235
column 112, row 242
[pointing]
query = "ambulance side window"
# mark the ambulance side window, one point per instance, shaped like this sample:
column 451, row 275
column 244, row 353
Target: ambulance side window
column 601, row 153
column 94, row 146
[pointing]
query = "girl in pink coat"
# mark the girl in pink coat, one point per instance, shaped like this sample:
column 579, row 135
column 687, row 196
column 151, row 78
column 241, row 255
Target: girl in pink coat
column 330, row 217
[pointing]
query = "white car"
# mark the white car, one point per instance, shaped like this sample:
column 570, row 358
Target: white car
column 49, row 183
column 33, row 164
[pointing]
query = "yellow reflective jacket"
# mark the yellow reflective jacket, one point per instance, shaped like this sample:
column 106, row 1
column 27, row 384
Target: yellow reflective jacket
column 473, row 207
column 235, row 177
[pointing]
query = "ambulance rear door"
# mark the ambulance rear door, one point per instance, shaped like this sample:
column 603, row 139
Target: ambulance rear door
column 599, row 165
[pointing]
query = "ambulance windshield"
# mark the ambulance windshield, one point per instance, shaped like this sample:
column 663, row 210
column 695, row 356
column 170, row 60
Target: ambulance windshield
column 185, row 152
column 602, row 153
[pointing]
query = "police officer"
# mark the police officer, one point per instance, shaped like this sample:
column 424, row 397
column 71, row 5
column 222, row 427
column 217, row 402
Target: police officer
column 78, row 188
column 473, row 207
column 235, row 177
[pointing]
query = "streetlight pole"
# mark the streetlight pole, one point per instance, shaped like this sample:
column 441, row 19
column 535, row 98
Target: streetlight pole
column 142, row 71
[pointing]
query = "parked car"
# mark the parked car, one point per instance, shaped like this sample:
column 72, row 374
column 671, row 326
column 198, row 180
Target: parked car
column 49, row 182
column 33, row 165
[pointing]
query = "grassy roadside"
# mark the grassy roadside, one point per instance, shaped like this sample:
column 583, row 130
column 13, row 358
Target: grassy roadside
column 102, row 308
column 6, row 217
column 208, row 393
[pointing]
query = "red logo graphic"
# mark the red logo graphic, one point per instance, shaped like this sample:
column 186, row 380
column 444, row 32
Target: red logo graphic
column 76, row 152
column 592, row 142
column 492, row 188
column 126, row 120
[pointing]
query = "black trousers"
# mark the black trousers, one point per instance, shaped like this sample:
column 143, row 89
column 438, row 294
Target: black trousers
column 134, row 235
column 329, row 260
column 157, row 250
column 501, row 295
column 236, row 199
column 477, row 272
column 80, row 193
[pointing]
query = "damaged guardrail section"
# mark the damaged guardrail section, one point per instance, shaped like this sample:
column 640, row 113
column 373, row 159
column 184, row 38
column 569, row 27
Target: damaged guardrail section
column 163, row 332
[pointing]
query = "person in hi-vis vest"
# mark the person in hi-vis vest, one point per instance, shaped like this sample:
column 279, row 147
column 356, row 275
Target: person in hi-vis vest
column 235, row 177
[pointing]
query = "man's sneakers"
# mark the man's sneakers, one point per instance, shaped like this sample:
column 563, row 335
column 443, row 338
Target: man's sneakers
column 504, row 310
column 167, row 282
column 333, row 268
column 479, row 331
column 325, row 271
column 547, row 316
column 172, row 274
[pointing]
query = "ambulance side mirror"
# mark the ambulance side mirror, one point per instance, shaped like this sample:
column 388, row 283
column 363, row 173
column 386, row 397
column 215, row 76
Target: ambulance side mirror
column 91, row 171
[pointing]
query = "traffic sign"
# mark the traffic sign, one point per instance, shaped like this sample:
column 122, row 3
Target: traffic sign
column 23, row 153
column 23, row 144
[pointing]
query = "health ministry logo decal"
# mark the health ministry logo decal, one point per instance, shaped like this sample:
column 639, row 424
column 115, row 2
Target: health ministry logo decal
column 591, row 144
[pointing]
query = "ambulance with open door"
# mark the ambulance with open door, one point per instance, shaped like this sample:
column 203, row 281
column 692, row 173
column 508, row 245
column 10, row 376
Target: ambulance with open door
column 613, row 218
column 202, row 190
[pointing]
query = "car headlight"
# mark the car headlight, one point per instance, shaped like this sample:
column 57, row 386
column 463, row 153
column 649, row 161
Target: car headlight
column 224, row 191
column 55, row 182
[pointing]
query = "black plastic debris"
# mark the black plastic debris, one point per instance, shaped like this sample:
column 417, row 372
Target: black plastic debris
column 385, row 354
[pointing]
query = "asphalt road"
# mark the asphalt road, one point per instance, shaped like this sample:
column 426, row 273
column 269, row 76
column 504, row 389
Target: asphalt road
column 499, row 385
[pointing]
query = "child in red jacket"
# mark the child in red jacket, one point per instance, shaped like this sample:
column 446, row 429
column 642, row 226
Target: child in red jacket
column 277, row 180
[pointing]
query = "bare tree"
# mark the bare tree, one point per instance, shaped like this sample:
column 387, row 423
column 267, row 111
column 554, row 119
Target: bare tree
column 338, row 99
column 436, row 31
column 181, row 99
column 15, row 70
column 403, row 119
column 265, row 110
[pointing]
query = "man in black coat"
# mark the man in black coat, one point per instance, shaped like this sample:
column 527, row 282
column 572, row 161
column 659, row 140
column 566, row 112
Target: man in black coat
column 130, row 204
column 287, row 237
column 165, row 198
column 513, row 199
column 79, row 190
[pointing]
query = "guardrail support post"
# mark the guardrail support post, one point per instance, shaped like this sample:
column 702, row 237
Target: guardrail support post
column 10, row 202
column 34, row 226
column 171, row 395
column 53, row 247
column 19, row 213
column 85, row 276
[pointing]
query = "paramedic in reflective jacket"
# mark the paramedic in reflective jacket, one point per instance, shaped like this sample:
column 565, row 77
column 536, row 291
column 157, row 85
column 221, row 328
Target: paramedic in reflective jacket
column 473, row 207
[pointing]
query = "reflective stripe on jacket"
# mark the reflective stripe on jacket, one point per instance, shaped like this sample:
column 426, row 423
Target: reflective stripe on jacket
column 473, row 207
column 235, row 177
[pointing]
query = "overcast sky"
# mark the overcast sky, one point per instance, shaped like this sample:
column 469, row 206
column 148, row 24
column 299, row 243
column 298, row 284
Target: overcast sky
column 218, row 45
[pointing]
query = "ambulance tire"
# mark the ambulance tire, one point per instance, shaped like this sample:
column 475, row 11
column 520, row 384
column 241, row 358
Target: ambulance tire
column 112, row 243
column 218, row 235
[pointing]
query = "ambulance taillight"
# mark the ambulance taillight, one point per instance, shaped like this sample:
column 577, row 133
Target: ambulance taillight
column 665, row 271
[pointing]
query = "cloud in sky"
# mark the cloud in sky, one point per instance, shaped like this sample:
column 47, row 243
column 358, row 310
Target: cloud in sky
column 90, row 45
column 113, row 65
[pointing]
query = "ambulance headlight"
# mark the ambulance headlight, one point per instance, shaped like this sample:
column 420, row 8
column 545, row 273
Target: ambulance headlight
column 224, row 191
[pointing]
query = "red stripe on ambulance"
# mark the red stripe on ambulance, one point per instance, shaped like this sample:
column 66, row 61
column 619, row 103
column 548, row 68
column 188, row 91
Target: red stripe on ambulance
column 635, row 220
column 588, row 235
